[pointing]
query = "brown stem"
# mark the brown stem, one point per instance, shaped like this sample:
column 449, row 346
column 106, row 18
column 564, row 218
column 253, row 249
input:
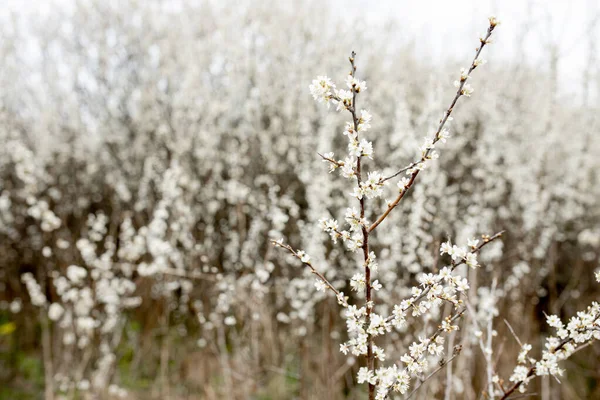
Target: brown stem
column 425, row 156
column 47, row 356
column 517, row 384
column 309, row 264
column 164, row 353
column 365, row 245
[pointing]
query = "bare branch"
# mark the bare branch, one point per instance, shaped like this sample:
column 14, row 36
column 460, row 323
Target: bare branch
column 307, row 263
column 510, row 328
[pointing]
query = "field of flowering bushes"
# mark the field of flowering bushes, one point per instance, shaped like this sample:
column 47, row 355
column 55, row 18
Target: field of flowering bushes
column 270, row 201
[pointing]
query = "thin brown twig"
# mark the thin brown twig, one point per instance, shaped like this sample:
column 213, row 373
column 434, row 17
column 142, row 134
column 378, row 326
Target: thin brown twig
column 510, row 328
column 191, row 275
column 409, row 166
column 331, row 160
column 307, row 263
column 438, row 369
column 365, row 232
column 522, row 396
column 445, row 118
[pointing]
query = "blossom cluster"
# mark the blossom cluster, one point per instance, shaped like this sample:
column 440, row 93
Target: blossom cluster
column 38, row 298
column 353, row 237
column 193, row 169
column 364, row 324
column 581, row 329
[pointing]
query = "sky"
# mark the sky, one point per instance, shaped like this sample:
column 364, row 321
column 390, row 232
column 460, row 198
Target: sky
column 530, row 27
column 444, row 28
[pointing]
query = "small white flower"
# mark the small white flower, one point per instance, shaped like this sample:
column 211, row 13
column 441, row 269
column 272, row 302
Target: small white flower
column 554, row 321
column 523, row 353
column 358, row 193
column 379, row 353
column 472, row 243
column 445, row 273
column 355, row 242
column 403, row 183
column 427, row 145
column 519, row 374
column 467, row 90
column 349, row 131
column 55, row 311
column 443, row 135
column 305, row 258
column 479, row 61
column 341, row 299
column 418, row 167
column 366, row 148
column 446, row 248
column 321, row 89
column 358, row 282
column 494, row 21
column 76, row 274
column 352, row 82
column 345, row 99
column 435, row 349
column 364, row 121
column 447, row 325
column 347, row 168
column 402, row 382
column 364, row 375
column 344, row 348
column 371, row 263
column 320, row 285
column 462, row 285
column 458, row 253
column 46, row 251
column 471, row 260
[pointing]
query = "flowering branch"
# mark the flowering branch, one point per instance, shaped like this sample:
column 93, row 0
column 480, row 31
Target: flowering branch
column 365, row 233
column 583, row 328
column 323, row 283
column 464, row 89
column 363, row 324
column 430, row 282
column 334, row 164
column 410, row 166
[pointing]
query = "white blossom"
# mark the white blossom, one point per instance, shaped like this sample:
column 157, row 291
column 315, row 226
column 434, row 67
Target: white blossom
column 76, row 274
column 55, row 311
column 322, row 89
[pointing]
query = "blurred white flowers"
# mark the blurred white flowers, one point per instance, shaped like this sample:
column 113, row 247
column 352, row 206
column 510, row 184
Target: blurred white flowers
column 55, row 311
column 76, row 274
